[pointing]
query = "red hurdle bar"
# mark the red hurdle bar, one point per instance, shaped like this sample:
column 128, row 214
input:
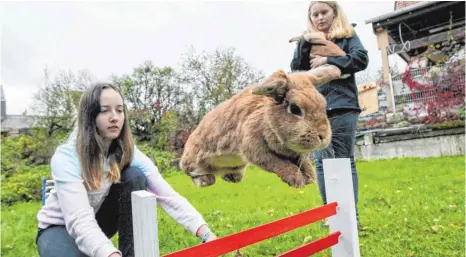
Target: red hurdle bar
column 314, row 246
column 247, row 237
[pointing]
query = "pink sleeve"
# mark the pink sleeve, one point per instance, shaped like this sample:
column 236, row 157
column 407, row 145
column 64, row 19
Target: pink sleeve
column 171, row 201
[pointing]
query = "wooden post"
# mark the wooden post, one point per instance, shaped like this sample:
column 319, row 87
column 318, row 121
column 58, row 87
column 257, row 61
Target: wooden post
column 145, row 230
column 339, row 188
column 382, row 42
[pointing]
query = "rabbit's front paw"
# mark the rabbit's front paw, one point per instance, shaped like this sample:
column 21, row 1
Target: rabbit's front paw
column 308, row 172
column 204, row 180
column 295, row 180
column 309, row 176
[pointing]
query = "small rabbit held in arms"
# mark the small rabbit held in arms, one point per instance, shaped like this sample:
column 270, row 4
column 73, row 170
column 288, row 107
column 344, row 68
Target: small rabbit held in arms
column 319, row 46
column 273, row 125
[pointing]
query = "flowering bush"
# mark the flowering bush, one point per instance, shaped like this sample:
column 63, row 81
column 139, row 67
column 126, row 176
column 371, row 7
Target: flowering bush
column 443, row 91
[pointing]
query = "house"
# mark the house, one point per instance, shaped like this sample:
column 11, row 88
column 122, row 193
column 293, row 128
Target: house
column 429, row 36
column 416, row 29
column 12, row 125
column 368, row 98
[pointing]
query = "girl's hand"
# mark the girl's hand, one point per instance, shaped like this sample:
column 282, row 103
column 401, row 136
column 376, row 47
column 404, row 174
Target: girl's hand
column 212, row 237
column 318, row 61
column 204, row 230
column 114, row 255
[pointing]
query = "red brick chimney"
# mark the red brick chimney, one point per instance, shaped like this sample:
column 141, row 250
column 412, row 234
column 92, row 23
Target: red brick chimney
column 402, row 4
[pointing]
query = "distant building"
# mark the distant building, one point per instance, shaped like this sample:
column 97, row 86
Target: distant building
column 3, row 105
column 13, row 124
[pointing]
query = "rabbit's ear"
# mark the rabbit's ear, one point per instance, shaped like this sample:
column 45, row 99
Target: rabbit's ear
column 323, row 74
column 274, row 86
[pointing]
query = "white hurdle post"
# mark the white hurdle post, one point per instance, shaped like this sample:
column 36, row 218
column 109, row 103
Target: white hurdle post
column 339, row 188
column 145, row 230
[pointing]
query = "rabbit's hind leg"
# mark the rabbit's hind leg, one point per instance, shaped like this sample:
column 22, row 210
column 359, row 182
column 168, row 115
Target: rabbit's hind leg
column 204, row 180
column 235, row 174
column 200, row 174
column 202, row 177
column 230, row 167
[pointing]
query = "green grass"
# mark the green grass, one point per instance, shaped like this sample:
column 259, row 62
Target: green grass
column 408, row 207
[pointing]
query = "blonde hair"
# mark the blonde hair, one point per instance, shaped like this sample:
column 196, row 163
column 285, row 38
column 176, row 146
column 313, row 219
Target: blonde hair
column 340, row 28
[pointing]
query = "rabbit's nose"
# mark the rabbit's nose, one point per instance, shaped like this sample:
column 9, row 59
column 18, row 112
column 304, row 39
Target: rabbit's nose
column 321, row 137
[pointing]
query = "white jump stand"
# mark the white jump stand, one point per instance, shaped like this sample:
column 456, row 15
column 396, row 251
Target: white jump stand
column 145, row 229
column 339, row 188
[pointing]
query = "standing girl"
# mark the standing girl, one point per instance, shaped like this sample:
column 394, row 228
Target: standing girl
column 95, row 172
column 343, row 109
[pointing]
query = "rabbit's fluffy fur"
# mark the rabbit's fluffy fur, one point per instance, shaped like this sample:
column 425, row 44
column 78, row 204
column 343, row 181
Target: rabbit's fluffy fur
column 273, row 125
column 321, row 46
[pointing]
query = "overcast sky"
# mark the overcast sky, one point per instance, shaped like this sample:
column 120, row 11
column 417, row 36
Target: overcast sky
column 113, row 37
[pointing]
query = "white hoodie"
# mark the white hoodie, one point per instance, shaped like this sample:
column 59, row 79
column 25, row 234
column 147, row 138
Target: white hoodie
column 71, row 205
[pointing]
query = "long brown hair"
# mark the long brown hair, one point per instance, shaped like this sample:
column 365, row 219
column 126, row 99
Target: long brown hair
column 340, row 28
column 90, row 145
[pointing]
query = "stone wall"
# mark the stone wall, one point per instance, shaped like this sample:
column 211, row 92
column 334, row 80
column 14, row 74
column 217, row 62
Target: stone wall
column 402, row 119
column 415, row 141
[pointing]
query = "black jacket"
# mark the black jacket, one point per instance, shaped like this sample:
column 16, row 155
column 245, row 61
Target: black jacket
column 341, row 93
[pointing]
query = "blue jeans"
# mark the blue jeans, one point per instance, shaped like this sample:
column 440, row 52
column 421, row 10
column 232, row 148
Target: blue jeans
column 344, row 124
column 54, row 241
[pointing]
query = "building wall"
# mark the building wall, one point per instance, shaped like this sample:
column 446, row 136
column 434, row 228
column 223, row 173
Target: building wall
column 368, row 99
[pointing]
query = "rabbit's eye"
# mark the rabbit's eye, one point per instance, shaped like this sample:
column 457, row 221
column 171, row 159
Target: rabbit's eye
column 294, row 109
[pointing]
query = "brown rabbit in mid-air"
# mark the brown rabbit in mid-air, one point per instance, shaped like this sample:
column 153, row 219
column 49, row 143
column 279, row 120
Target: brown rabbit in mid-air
column 273, row 125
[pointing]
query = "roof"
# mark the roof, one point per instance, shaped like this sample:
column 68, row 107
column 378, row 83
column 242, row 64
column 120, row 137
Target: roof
column 421, row 17
column 17, row 122
column 366, row 86
column 420, row 21
column 401, row 11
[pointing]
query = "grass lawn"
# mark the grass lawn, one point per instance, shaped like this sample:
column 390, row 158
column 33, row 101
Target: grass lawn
column 408, row 207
